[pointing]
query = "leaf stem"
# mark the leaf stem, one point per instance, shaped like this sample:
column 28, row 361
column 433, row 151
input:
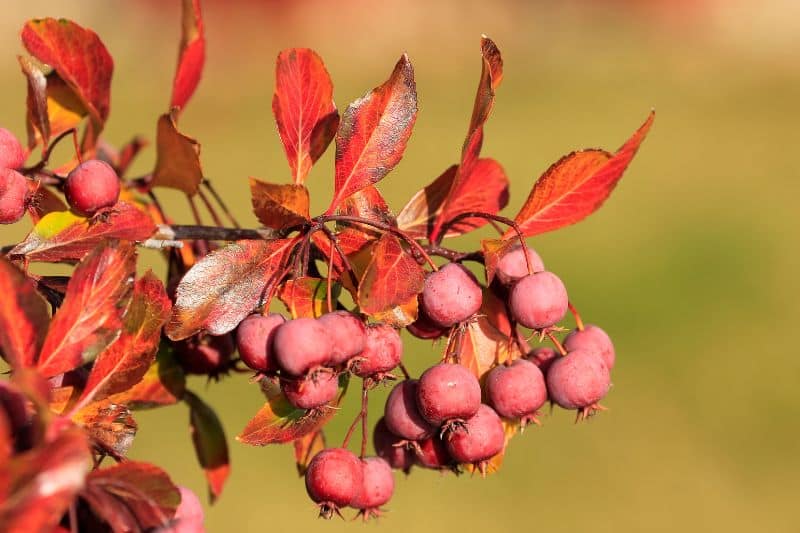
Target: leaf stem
column 555, row 341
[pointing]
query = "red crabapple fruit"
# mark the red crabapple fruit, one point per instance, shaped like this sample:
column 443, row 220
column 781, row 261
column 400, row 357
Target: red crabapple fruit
column 12, row 155
column 432, row 453
column 593, row 339
column 13, row 195
column 205, row 354
column 391, row 447
column 91, row 186
column 301, row 345
column 189, row 515
column 481, row 438
column 347, row 333
column 254, row 341
column 311, row 392
column 512, row 265
column 579, row 380
column 334, row 479
column 448, row 392
column 425, row 328
column 451, row 295
column 542, row 357
column 382, row 352
column 516, row 391
column 401, row 413
column 538, row 301
column 377, row 487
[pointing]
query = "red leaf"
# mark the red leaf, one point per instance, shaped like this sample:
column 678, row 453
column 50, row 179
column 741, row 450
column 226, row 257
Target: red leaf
column 389, row 287
column 63, row 236
column 125, row 362
column 304, row 110
column 43, row 201
column 576, row 186
column 306, row 296
column 210, row 445
column 164, row 383
column 177, row 158
column 279, row 206
column 37, row 116
column 373, row 133
column 226, row 285
column 306, row 447
column 91, row 316
column 24, row 317
column 109, row 425
column 192, row 55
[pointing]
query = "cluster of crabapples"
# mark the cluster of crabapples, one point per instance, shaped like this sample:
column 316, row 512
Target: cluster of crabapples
column 446, row 418
column 89, row 187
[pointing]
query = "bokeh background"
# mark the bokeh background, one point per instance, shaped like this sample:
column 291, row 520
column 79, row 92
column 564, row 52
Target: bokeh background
column 692, row 265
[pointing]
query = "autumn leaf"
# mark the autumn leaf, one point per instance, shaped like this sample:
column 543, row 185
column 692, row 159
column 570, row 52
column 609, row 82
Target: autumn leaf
column 64, row 236
column 177, row 157
column 482, row 346
column 164, row 383
column 576, row 186
column 24, row 317
column 279, row 206
column 91, row 316
column 226, row 285
column 373, row 133
column 42, row 201
column 307, row 296
column 210, row 444
column 110, row 426
column 304, row 110
column 494, row 250
column 37, row 117
column 306, row 447
column 191, row 56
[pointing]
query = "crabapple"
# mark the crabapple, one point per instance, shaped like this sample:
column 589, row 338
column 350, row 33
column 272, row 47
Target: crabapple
column 539, row 300
column 432, row 453
column 593, row 339
column 300, row 345
column 254, row 337
column 401, row 413
column 451, row 295
column 480, row 438
column 425, row 328
column 382, row 352
column 91, row 186
column 516, row 390
column 390, row 447
column 13, row 195
column 542, row 357
column 12, row 155
column 578, row 380
column 334, row 479
column 189, row 515
column 512, row 265
column 448, row 392
column 377, row 486
column 311, row 392
column 347, row 333
column 205, row 354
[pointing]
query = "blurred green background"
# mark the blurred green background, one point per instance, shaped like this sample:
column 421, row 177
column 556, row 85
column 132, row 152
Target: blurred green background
column 691, row 265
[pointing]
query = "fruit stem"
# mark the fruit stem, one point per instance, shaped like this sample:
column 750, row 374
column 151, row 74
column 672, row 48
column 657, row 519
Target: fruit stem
column 210, row 208
column 577, row 316
column 558, row 344
column 404, row 370
column 329, row 284
column 207, row 184
column 76, row 145
column 46, row 153
column 350, row 431
column 454, row 256
column 345, row 261
column 364, row 410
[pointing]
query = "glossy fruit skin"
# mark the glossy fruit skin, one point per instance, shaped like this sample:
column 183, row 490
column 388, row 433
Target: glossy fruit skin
column 12, row 155
column 592, row 339
column 377, row 486
column 542, row 357
column 448, row 392
column 300, row 345
column 538, row 301
column 579, row 379
column 481, row 438
column 398, row 457
column 13, row 195
column 91, row 186
column 512, row 265
column 451, row 295
column 312, row 392
column 516, row 390
column 401, row 413
column 348, row 335
column 432, row 453
column 254, row 338
column 205, row 354
column 382, row 351
column 334, row 477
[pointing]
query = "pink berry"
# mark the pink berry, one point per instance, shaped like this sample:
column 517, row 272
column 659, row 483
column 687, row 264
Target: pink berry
column 382, row 352
column 205, row 354
column 189, row 515
column 377, row 487
column 542, row 357
column 448, row 392
column 13, row 195
column 538, row 301
column 425, row 328
column 592, row 339
column 578, row 380
column 512, row 265
column 254, row 341
column 390, row 447
column 347, row 333
column 334, row 479
column 451, row 295
column 432, row 453
column 91, row 186
column 481, row 438
column 311, row 392
column 12, row 155
column 301, row 345
column 402, row 415
column 517, row 390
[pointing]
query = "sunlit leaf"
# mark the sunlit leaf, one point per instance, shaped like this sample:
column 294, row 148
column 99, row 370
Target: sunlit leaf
column 24, row 317
column 110, row 426
column 306, row 447
column 279, row 206
column 191, row 56
column 177, row 158
column 164, row 383
column 306, row 296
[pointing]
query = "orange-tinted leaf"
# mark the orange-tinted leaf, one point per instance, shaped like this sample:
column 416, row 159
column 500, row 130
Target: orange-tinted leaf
column 493, row 251
column 210, row 445
column 43, row 201
column 483, row 346
column 495, row 310
column 226, row 285
column 177, row 158
column 109, row 425
column 91, row 316
column 373, row 133
column 192, row 54
column 164, row 383
column 306, row 296
column 306, row 447
column 278, row 421
column 279, row 206
column 304, row 110
column 63, row 236
column 390, row 285
column 576, row 186
column 37, row 119
column 125, row 362
column 23, row 317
